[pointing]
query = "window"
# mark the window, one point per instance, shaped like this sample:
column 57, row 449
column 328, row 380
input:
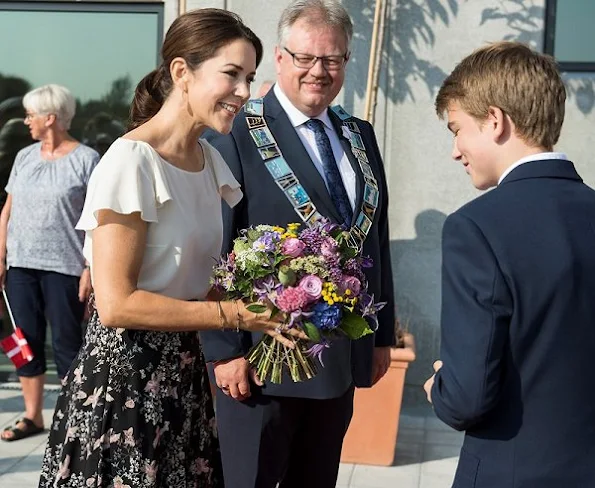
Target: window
column 569, row 33
column 98, row 50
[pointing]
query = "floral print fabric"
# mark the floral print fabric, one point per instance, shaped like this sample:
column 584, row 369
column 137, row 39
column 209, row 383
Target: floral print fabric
column 135, row 411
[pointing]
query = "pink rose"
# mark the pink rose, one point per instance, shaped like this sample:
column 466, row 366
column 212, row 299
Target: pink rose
column 293, row 247
column 312, row 285
column 351, row 283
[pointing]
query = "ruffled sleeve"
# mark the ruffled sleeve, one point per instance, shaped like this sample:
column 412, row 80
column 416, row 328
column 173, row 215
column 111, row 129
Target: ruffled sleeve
column 126, row 180
column 228, row 186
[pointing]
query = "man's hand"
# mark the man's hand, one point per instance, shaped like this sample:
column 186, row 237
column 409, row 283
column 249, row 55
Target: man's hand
column 428, row 384
column 380, row 363
column 233, row 377
column 85, row 285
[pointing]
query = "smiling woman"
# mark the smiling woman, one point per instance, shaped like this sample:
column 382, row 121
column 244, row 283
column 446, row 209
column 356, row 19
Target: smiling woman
column 153, row 222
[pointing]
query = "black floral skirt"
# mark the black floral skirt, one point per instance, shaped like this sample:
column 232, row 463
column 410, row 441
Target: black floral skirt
column 135, row 411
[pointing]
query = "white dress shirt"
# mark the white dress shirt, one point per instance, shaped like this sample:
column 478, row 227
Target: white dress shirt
column 298, row 120
column 534, row 157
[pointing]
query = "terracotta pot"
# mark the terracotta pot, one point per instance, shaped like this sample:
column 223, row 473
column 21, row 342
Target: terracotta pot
column 372, row 434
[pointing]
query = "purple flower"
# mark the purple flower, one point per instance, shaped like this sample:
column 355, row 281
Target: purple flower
column 350, row 283
column 353, row 268
column 328, row 249
column 335, row 274
column 266, row 242
column 326, row 317
column 264, row 287
column 366, row 262
column 312, row 285
column 317, row 349
column 313, row 239
column 369, row 309
column 328, row 226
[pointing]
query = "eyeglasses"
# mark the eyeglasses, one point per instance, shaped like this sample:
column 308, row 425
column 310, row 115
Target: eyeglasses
column 307, row 61
column 29, row 116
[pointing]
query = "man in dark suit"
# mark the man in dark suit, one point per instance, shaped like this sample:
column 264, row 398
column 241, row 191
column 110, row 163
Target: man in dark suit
column 518, row 285
column 296, row 161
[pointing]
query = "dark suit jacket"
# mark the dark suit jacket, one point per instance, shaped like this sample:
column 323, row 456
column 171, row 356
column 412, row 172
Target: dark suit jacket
column 264, row 203
column 518, row 331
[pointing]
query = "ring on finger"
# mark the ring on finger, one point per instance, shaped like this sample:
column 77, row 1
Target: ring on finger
column 280, row 329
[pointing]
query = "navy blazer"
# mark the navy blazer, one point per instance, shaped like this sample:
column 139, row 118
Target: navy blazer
column 264, row 203
column 518, row 331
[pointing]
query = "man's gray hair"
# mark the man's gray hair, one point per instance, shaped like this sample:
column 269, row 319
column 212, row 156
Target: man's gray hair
column 52, row 99
column 326, row 12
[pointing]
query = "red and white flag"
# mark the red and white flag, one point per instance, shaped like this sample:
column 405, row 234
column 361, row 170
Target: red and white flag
column 15, row 345
column 16, row 348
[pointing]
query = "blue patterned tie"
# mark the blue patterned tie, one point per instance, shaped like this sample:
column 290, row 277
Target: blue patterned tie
column 331, row 171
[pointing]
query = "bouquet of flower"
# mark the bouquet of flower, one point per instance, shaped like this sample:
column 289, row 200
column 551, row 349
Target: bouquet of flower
column 313, row 277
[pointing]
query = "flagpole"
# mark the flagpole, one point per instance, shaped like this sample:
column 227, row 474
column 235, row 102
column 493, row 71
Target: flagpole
column 9, row 309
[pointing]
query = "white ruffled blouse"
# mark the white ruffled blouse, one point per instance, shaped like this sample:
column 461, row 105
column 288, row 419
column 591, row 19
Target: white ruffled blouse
column 182, row 209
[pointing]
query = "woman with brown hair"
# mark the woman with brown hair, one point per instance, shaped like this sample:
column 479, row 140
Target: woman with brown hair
column 136, row 408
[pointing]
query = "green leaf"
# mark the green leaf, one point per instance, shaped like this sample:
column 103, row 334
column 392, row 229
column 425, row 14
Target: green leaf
column 354, row 326
column 274, row 312
column 312, row 331
column 256, row 308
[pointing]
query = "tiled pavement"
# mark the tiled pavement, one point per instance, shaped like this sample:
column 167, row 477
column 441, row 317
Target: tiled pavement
column 426, row 453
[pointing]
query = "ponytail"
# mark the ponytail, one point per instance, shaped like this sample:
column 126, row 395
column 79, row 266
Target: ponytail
column 149, row 96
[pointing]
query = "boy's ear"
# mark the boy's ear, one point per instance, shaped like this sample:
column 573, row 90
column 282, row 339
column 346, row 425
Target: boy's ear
column 498, row 121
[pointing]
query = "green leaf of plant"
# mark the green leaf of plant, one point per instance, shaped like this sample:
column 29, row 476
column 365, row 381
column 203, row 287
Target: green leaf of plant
column 256, row 308
column 312, row 331
column 354, row 326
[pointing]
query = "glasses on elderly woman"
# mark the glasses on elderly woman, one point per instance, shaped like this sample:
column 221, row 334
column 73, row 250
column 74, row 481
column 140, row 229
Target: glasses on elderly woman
column 32, row 115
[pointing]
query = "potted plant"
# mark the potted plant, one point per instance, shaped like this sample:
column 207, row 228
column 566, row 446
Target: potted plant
column 372, row 434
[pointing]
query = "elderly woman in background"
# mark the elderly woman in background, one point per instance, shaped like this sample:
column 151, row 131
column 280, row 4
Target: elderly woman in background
column 41, row 259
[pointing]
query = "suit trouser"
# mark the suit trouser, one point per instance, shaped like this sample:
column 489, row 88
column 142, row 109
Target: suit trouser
column 294, row 441
column 37, row 297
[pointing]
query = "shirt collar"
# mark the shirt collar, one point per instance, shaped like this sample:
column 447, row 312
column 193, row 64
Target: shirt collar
column 296, row 117
column 533, row 157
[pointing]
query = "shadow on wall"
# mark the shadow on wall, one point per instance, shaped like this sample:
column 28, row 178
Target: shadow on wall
column 417, row 272
column 409, row 25
column 526, row 21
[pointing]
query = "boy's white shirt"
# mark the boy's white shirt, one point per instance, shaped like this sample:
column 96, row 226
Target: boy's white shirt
column 533, row 157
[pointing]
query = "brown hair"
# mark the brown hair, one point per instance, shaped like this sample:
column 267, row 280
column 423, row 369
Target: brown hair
column 195, row 36
column 524, row 84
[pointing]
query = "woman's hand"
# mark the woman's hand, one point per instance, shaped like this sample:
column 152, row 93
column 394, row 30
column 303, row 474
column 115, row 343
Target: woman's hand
column 255, row 322
column 85, row 287
column 2, row 273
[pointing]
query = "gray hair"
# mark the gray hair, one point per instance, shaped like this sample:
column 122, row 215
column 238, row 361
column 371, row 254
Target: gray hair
column 52, row 99
column 326, row 12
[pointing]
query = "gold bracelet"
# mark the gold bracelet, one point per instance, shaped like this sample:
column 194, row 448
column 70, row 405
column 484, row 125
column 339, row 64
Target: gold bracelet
column 221, row 317
column 239, row 316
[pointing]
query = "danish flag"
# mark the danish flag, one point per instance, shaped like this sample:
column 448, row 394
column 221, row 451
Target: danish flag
column 15, row 345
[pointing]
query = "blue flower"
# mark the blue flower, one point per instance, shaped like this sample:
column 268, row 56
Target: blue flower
column 326, row 317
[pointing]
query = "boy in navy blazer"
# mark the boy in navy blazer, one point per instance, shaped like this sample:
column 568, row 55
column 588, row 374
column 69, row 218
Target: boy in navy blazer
column 518, row 284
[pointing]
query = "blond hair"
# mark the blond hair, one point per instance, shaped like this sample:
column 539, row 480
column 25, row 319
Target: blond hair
column 524, row 84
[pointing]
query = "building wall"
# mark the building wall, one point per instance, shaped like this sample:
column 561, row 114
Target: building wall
column 423, row 42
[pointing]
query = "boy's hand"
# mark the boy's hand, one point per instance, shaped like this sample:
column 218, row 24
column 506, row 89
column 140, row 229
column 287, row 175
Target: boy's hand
column 428, row 384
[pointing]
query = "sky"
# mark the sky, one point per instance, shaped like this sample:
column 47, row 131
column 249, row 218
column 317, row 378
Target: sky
column 84, row 51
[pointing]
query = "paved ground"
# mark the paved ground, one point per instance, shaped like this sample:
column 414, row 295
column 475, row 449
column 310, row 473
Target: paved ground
column 425, row 457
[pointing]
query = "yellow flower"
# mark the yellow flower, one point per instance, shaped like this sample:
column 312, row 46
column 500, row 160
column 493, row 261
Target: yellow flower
column 348, row 292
